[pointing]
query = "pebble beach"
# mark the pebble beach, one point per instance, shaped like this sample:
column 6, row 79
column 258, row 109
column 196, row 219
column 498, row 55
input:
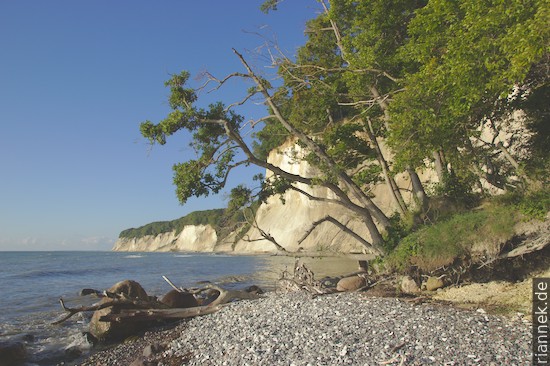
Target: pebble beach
column 337, row 329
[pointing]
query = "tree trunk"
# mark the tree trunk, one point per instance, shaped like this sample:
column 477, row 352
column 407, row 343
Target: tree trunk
column 440, row 166
column 394, row 189
column 374, row 247
column 418, row 190
column 513, row 162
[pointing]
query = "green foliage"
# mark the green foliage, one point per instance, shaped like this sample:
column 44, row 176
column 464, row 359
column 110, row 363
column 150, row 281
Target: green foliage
column 372, row 33
column 208, row 217
column 532, row 205
column 441, row 66
column 269, row 5
column 208, row 127
column 442, row 243
column 468, row 56
column 397, row 231
column 455, row 189
column 270, row 137
column 272, row 187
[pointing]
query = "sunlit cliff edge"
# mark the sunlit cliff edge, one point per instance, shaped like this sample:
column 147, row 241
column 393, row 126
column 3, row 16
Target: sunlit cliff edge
column 285, row 222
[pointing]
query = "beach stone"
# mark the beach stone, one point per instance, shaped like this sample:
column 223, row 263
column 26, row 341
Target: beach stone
column 29, row 338
column 113, row 331
column 178, row 299
column 140, row 361
column 433, row 283
column 152, row 349
column 254, row 289
column 130, row 288
column 73, row 352
column 12, row 353
column 409, row 286
column 351, row 283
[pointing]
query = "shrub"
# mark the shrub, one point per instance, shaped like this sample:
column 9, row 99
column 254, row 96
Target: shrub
column 442, row 243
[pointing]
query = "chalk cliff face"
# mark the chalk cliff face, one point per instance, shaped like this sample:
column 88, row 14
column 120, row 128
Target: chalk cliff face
column 199, row 238
column 286, row 222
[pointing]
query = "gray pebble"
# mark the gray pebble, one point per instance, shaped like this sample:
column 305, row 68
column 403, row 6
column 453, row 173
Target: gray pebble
column 347, row 329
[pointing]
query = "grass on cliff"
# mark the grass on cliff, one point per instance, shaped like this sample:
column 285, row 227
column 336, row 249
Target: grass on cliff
column 484, row 229
column 207, row 217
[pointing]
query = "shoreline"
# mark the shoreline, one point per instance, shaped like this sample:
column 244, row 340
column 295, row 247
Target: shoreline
column 344, row 328
column 299, row 254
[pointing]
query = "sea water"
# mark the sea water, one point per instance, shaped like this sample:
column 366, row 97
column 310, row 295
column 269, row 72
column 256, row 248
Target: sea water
column 31, row 284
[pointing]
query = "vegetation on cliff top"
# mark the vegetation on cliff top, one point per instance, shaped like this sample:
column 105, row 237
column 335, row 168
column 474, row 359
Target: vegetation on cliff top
column 208, row 217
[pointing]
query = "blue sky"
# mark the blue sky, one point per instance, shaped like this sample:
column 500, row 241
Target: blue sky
column 76, row 80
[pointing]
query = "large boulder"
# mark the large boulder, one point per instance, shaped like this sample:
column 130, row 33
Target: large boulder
column 114, row 331
column 433, row 283
column 352, row 283
column 409, row 286
column 178, row 299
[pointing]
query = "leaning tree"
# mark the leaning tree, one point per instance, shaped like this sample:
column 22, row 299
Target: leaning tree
column 221, row 146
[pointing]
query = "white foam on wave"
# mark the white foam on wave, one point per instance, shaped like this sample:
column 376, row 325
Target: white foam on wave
column 134, row 256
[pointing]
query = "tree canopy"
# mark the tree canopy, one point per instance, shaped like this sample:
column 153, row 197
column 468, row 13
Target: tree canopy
column 473, row 58
column 426, row 76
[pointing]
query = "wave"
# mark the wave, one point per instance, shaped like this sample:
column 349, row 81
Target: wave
column 134, row 256
column 182, row 255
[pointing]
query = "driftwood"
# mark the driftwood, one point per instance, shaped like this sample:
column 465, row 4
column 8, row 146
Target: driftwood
column 135, row 309
column 157, row 314
column 540, row 241
column 226, row 296
column 302, row 279
column 117, row 301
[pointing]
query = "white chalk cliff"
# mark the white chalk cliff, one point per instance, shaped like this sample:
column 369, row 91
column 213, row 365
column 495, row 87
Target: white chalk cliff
column 285, row 222
column 195, row 238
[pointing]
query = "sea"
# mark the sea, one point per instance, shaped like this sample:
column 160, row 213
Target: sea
column 31, row 284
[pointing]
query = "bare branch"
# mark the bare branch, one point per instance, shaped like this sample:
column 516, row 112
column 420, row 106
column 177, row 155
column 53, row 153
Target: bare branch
column 106, row 304
column 239, row 103
column 315, row 198
column 211, row 78
column 263, row 233
column 345, row 229
column 179, row 289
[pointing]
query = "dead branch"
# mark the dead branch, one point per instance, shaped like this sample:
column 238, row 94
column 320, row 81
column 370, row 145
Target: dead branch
column 239, row 103
column 117, row 301
column 342, row 227
column 315, row 198
column 303, row 279
column 179, row 289
column 211, row 78
column 226, row 296
column 262, row 232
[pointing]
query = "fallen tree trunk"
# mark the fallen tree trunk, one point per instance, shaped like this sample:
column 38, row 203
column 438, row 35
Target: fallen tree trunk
column 159, row 314
column 129, row 302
